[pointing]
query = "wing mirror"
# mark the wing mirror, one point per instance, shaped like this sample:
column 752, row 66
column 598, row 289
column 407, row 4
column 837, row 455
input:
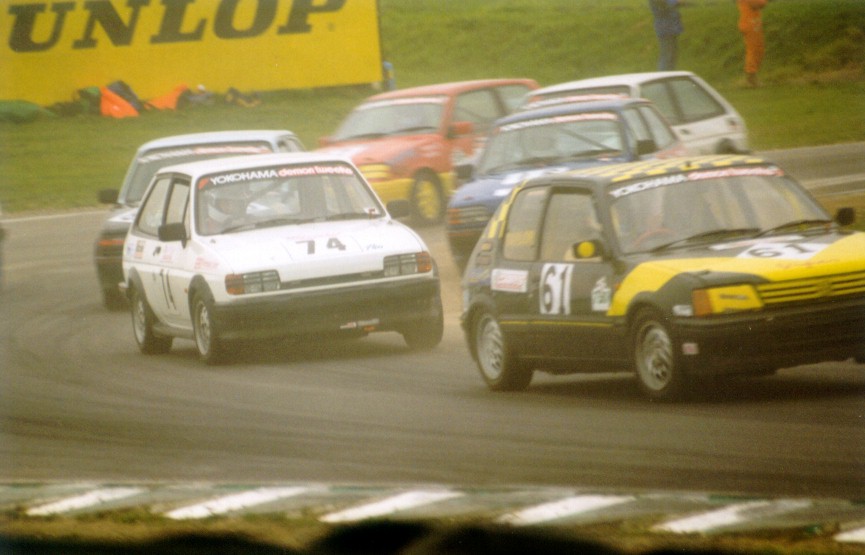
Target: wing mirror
column 461, row 129
column 587, row 250
column 845, row 216
column 173, row 232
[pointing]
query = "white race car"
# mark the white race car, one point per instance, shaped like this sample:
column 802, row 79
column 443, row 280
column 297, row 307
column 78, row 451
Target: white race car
column 274, row 245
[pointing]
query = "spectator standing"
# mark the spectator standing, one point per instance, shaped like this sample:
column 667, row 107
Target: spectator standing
column 751, row 27
column 668, row 27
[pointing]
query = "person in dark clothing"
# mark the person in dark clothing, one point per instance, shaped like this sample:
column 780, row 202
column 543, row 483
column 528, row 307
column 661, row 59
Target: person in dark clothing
column 668, row 27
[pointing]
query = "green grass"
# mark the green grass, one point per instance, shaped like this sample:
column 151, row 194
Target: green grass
column 813, row 93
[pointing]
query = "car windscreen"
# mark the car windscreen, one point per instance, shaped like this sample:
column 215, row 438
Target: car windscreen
column 710, row 206
column 392, row 117
column 256, row 198
column 148, row 163
column 552, row 140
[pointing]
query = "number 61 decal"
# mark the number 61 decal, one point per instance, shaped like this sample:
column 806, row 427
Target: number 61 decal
column 783, row 251
column 555, row 294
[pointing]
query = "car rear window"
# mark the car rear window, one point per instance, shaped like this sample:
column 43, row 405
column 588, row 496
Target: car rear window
column 682, row 100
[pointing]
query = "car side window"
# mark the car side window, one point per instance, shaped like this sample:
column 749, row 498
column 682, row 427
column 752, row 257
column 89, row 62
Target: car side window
column 659, row 94
column 512, row 96
column 661, row 132
column 570, row 219
column 524, row 223
column 150, row 216
column 177, row 203
column 637, row 129
column 478, row 107
column 694, row 102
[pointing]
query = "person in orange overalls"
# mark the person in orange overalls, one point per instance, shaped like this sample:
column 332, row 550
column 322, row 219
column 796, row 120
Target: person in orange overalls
column 751, row 27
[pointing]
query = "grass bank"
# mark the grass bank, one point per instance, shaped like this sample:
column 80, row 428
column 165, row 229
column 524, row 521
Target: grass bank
column 813, row 86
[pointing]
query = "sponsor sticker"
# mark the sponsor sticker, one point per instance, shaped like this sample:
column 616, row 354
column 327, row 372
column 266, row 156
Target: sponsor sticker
column 509, row 281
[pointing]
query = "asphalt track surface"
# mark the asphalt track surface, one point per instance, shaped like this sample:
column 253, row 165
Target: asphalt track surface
column 79, row 403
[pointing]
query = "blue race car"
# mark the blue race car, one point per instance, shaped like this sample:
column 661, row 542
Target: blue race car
column 546, row 140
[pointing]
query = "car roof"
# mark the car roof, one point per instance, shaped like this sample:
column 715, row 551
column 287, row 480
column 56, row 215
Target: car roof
column 451, row 88
column 240, row 163
column 654, row 168
column 629, row 79
column 614, row 104
column 216, row 137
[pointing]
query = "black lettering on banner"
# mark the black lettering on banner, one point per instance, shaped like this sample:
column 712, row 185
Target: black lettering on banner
column 21, row 37
column 103, row 12
column 223, row 25
column 170, row 30
column 298, row 18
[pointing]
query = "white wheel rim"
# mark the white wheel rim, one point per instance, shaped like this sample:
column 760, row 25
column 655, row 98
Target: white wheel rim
column 139, row 319
column 490, row 346
column 202, row 329
column 655, row 357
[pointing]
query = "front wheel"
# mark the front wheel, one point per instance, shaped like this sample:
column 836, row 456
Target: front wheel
column 499, row 365
column 657, row 365
column 426, row 334
column 143, row 319
column 211, row 347
column 427, row 199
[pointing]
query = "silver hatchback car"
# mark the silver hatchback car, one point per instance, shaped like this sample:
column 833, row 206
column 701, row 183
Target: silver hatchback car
column 705, row 122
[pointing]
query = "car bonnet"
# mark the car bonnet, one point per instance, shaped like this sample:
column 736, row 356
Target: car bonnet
column 311, row 250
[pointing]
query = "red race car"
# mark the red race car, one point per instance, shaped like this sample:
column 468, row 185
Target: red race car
column 407, row 142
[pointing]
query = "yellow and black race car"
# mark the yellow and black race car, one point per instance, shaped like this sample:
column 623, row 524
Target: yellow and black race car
column 680, row 270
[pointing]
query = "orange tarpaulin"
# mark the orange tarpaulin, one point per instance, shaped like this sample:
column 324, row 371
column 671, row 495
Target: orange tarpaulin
column 113, row 105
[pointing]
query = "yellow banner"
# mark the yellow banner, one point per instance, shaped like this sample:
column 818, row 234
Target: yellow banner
column 51, row 48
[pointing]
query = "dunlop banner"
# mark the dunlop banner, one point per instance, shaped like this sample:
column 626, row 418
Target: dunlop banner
column 50, row 49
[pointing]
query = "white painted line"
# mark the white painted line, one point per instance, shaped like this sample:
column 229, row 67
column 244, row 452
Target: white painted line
column 561, row 509
column 84, row 501
column 852, row 536
column 730, row 515
column 58, row 216
column 234, row 502
column 401, row 502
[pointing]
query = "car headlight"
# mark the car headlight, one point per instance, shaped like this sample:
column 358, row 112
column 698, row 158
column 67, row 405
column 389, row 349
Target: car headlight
column 407, row 264
column 252, row 282
column 720, row 300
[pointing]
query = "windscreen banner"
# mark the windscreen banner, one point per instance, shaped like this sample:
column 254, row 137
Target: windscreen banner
column 51, row 48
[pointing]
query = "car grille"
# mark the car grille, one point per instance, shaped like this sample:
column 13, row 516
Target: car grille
column 799, row 290
column 468, row 215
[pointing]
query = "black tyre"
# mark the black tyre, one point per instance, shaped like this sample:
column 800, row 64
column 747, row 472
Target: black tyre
column 428, row 202
column 426, row 334
column 143, row 320
column 499, row 365
column 113, row 300
column 656, row 361
column 211, row 347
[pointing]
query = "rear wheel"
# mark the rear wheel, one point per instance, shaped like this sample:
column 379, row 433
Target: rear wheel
column 143, row 319
column 427, row 199
column 658, row 368
column 500, row 367
column 211, row 347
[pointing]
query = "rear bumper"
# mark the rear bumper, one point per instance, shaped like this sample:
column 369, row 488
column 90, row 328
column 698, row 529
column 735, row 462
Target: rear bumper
column 379, row 307
column 756, row 343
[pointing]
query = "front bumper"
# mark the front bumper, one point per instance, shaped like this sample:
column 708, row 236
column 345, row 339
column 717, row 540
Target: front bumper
column 379, row 307
column 755, row 343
